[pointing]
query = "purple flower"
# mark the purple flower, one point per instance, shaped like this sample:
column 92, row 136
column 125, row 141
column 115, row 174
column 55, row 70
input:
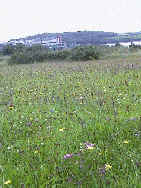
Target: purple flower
column 52, row 110
column 68, row 156
column 89, row 145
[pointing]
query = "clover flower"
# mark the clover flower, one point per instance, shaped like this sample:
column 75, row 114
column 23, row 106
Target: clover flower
column 67, row 156
column 7, row 182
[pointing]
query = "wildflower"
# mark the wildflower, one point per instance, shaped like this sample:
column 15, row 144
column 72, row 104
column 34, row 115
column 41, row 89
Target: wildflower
column 7, row 182
column 52, row 110
column 36, row 151
column 11, row 106
column 9, row 147
column 107, row 167
column 125, row 142
column 86, row 145
column 61, row 130
column 28, row 124
column 102, row 171
column 89, row 145
column 82, row 150
column 70, row 179
column 81, row 147
column 68, row 156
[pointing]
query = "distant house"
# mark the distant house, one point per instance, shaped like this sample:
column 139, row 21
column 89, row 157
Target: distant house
column 123, row 34
column 109, row 44
column 16, row 42
column 56, row 43
column 138, row 43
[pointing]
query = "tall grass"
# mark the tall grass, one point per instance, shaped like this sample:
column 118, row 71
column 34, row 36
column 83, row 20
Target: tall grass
column 71, row 124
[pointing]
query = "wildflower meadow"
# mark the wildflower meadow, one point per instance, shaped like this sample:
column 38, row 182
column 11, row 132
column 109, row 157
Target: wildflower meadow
column 71, row 124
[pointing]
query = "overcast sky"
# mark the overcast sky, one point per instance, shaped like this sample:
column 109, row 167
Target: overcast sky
column 19, row 18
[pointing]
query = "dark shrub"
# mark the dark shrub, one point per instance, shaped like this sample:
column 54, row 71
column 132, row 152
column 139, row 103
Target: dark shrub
column 85, row 53
column 40, row 54
column 134, row 47
column 8, row 50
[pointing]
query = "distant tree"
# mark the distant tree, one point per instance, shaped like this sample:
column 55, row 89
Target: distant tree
column 8, row 50
column 117, row 44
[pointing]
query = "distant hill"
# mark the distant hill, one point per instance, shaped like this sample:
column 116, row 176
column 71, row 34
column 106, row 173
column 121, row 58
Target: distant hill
column 78, row 38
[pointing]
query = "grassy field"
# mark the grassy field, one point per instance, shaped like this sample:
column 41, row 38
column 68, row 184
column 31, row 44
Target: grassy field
column 71, row 124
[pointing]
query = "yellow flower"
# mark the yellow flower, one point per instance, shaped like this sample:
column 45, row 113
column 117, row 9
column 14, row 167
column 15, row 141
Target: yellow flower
column 11, row 107
column 7, row 182
column 108, row 167
column 61, row 130
column 90, row 147
column 125, row 142
column 36, row 151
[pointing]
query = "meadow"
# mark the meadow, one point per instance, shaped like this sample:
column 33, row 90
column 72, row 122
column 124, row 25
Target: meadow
column 71, row 124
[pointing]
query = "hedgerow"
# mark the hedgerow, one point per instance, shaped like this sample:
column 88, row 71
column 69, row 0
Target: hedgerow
column 41, row 54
